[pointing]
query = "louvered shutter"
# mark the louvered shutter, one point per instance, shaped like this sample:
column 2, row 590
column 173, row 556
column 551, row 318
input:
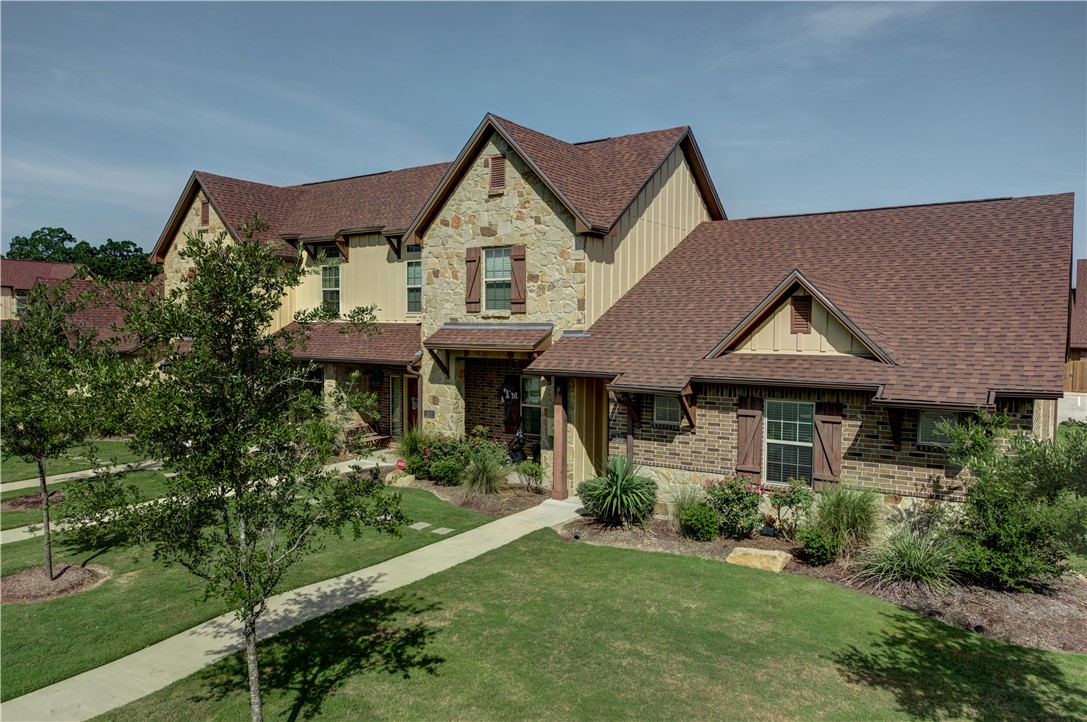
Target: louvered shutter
column 801, row 315
column 827, row 452
column 472, row 275
column 205, row 214
column 518, row 292
column 749, row 435
column 498, row 174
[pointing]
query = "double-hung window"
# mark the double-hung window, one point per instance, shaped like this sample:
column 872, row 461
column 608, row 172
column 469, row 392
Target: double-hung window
column 530, row 405
column 666, row 410
column 20, row 303
column 415, row 286
column 330, row 288
column 497, row 275
column 927, row 432
column 790, row 431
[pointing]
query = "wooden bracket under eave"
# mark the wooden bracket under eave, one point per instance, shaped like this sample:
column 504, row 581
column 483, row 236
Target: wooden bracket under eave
column 688, row 402
column 443, row 366
column 343, row 247
column 628, row 403
column 396, row 244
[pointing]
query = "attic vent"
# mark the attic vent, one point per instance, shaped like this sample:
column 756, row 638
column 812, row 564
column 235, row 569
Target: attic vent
column 801, row 315
column 205, row 215
column 498, row 174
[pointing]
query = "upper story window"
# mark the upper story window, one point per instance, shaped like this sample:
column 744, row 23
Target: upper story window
column 415, row 286
column 497, row 279
column 498, row 174
column 666, row 410
column 790, row 435
column 205, row 213
column 20, row 303
column 330, row 288
column 927, row 432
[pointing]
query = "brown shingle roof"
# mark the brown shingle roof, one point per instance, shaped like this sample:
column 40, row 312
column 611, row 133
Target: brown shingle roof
column 21, row 275
column 971, row 296
column 100, row 315
column 395, row 344
column 1077, row 330
column 514, row 337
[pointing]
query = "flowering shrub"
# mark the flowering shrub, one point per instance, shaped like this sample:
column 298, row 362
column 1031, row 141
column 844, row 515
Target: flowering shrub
column 736, row 501
column 431, row 450
column 791, row 504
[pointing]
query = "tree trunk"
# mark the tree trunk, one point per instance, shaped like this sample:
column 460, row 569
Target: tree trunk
column 254, row 671
column 45, row 520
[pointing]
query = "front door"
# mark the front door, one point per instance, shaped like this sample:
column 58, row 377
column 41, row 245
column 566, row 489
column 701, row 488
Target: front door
column 396, row 406
column 413, row 401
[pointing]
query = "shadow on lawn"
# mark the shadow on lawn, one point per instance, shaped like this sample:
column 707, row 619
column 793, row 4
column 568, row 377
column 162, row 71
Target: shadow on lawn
column 936, row 672
column 308, row 662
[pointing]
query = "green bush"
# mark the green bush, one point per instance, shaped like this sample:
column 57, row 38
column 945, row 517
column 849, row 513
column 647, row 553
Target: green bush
column 925, row 560
column 817, row 545
column 486, row 471
column 531, row 475
column 736, row 501
column 621, row 496
column 429, row 450
column 412, row 443
column 790, row 505
column 447, row 472
column 698, row 522
column 849, row 515
column 688, row 496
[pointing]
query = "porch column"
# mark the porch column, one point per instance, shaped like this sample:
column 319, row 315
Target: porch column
column 558, row 466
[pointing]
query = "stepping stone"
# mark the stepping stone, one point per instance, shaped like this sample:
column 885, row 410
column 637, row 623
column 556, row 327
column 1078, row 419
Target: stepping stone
column 770, row 561
column 420, row 525
column 442, row 530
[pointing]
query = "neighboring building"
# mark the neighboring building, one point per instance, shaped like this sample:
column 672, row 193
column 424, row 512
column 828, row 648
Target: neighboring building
column 100, row 316
column 1077, row 325
column 826, row 346
column 18, row 277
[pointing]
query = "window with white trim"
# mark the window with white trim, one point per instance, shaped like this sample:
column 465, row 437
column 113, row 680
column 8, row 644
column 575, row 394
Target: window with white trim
column 497, row 279
column 330, row 288
column 531, row 406
column 20, row 302
column 666, row 410
column 927, row 433
column 415, row 286
column 790, row 434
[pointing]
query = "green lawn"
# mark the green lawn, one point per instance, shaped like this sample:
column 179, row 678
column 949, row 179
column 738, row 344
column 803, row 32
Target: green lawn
column 543, row 629
column 151, row 483
column 144, row 602
column 15, row 469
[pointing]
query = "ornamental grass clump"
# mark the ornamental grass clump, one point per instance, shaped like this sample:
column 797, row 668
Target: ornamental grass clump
column 736, row 499
column 851, row 516
column 486, row 471
column 621, row 496
column 910, row 557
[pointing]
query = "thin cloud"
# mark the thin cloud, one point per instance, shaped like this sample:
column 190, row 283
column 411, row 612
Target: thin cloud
column 65, row 178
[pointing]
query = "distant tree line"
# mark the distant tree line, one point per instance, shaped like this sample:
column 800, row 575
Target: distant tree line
column 112, row 261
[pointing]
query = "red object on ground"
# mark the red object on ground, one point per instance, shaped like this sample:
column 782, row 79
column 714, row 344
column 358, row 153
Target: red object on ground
column 401, row 465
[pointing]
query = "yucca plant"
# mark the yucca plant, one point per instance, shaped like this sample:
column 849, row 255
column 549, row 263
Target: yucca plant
column 621, row 496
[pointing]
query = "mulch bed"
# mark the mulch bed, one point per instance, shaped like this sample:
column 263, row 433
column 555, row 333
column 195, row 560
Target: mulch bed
column 1053, row 618
column 513, row 499
column 32, row 501
column 30, row 585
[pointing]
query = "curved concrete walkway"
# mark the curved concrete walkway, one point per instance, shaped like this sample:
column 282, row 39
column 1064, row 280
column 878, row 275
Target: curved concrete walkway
column 85, row 474
column 149, row 670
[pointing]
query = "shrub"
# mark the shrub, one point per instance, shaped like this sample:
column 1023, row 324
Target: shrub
column 849, row 515
column 922, row 559
column 790, row 505
column 431, row 449
column 531, row 475
column 736, row 501
column 621, row 496
column 698, row 522
column 817, row 545
column 486, row 471
column 412, row 442
column 447, row 472
column 688, row 496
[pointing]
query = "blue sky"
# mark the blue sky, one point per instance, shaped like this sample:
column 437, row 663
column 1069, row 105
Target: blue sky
column 800, row 107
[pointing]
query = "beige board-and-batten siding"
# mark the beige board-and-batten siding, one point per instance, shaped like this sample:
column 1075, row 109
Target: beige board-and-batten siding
column 826, row 336
column 663, row 214
column 677, row 458
column 7, row 304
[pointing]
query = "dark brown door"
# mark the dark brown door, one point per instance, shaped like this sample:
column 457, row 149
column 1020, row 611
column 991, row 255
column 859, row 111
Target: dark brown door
column 413, row 402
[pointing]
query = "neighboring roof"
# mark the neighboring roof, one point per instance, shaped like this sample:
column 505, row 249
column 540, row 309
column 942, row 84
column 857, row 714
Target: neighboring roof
column 596, row 180
column 1077, row 330
column 504, row 337
column 394, row 344
column 21, row 275
column 100, row 315
column 313, row 211
column 971, row 296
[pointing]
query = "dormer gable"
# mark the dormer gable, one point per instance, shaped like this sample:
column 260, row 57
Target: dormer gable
column 802, row 315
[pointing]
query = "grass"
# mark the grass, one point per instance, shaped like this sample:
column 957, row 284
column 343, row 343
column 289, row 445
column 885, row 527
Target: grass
column 151, row 483
column 143, row 602
column 542, row 629
column 15, row 469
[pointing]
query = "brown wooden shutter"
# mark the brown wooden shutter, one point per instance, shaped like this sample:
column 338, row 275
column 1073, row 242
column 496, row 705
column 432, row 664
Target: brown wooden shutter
column 749, row 435
column 827, row 451
column 205, row 215
column 472, row 280
column 801, row 315
column 518, row 277
column 498, row 174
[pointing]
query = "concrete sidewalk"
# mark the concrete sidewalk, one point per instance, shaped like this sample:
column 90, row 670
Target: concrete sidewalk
column 129, row 678
column 85, row 474
column 33, row 531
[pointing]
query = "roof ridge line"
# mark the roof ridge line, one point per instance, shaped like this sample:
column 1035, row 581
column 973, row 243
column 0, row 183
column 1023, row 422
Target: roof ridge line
column 365, row 175
column 890, row 208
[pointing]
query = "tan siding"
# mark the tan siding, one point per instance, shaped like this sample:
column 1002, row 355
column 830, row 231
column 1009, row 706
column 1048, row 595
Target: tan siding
column 666, row 210
column 7, row 304
column 587, row 430
column 827, row 335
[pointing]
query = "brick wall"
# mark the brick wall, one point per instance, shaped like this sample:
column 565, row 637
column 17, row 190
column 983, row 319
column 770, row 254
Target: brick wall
column 339, row 374
column 868, row 456
column 482, row 407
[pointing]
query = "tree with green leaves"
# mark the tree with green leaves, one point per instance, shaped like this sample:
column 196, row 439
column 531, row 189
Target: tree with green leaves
column 112, row 261
column 231, row 413
column 44, row 372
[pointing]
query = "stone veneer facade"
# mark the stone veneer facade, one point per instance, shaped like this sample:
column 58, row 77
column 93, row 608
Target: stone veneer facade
column 175, row 267
column 525, row 212
column 677, row 458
